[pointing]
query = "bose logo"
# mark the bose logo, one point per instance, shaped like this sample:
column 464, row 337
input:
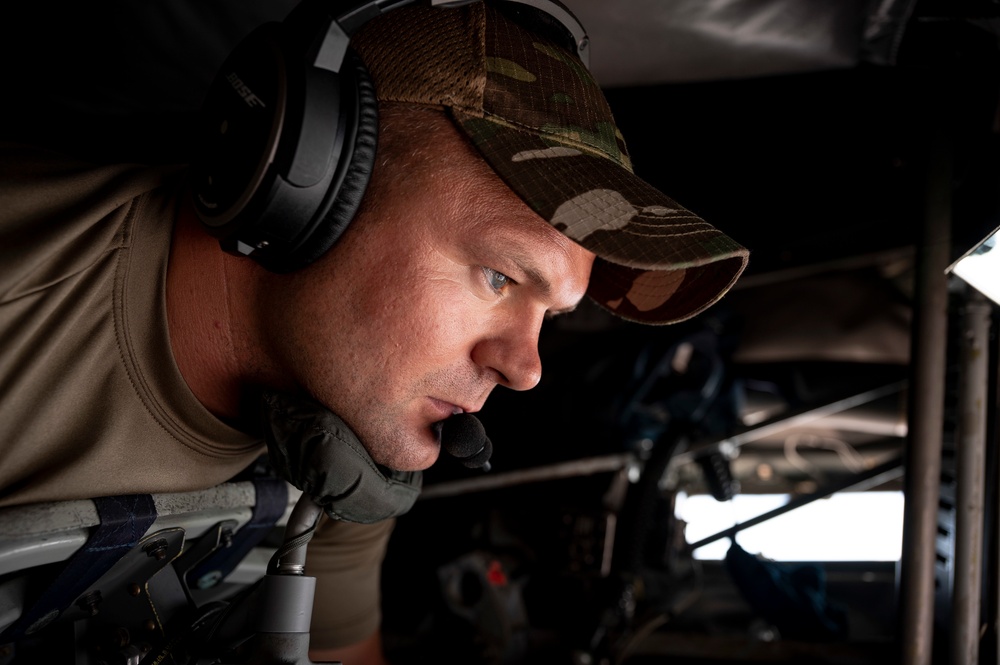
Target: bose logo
column 243, row 91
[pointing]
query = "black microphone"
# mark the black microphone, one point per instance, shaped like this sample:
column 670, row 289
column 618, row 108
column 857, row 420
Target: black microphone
column 463, row 437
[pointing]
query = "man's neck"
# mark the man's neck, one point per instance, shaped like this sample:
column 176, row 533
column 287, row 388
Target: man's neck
column 207, row 298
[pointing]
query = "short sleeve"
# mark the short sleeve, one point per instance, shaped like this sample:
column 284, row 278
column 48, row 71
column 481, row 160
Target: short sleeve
column 346, row 560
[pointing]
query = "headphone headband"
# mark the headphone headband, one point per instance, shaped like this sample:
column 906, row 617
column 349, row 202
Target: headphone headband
column 339, row 28
column 290, row 123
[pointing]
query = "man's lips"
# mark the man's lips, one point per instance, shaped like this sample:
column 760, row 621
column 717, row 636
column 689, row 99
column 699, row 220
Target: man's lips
column 443, row 409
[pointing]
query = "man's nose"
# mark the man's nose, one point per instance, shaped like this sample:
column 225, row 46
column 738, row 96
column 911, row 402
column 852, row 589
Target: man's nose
column 512, row 352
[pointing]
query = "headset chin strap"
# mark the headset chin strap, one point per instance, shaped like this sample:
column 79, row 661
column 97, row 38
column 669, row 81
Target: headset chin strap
column 314, row 450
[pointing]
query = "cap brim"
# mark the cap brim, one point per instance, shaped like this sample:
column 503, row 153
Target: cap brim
column 657, row 262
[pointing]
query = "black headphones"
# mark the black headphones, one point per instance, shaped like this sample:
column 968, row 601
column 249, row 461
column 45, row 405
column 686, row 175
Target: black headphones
column 289, row 129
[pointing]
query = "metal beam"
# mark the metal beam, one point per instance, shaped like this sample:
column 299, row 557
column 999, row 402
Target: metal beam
column 970, row 499
column 874, row 477
column 791, row 419
column 928, row 353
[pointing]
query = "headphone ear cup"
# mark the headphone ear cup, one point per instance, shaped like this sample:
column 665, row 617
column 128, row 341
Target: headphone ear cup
column 347, row 198
column 280, row 179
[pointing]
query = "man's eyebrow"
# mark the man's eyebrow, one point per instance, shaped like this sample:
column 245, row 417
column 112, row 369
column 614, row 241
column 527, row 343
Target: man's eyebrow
column 534, row 276
column 558, row 312
column 540, row 282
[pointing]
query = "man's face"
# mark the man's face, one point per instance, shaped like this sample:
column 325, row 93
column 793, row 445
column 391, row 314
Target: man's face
column 435, row 295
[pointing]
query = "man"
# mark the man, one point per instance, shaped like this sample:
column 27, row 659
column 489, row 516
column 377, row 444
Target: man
column 135, row 353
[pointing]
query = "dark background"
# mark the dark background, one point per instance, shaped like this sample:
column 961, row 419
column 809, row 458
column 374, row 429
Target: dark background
column 811, row 132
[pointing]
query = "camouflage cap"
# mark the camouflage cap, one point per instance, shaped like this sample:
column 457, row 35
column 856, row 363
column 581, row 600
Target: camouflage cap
column 541, row 121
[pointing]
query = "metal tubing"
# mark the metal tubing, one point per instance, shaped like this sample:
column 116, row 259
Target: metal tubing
column 928, row 355
column 617, row 461
column 574, row 468
column 880, row 475
column 285, row 604
column 305, row 515
column 786, row 421
column 970, row 502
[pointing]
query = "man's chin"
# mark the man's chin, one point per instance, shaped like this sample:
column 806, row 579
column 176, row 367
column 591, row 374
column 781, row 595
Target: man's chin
column 411, row 462
column 416, row 454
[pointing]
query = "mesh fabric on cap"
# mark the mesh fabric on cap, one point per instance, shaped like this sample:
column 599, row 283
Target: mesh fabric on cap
column 542, row 123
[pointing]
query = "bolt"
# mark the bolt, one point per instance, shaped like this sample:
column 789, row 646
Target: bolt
column 89, row 602
column 111, row 640
column 150, row 625
column 134, row 589
column 157, row 549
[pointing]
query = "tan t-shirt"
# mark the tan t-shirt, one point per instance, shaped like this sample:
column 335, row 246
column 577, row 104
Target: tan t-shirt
column 91, row 401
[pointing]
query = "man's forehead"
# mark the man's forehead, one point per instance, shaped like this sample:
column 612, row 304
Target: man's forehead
column 554, row 263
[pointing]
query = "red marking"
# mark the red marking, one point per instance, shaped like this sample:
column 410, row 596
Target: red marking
column 495, row 574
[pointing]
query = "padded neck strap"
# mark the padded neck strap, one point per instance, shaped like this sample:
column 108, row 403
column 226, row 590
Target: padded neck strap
column 314, row 450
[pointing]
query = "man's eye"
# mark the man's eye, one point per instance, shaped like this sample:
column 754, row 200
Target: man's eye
column 497, row 280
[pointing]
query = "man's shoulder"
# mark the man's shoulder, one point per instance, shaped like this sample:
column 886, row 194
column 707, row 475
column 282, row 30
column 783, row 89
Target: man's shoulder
column 59, row 214
column 25, row 164
column 35, row 179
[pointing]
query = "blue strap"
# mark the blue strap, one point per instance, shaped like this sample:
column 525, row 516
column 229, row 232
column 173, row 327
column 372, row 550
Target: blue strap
column 123, row 522
column 270, row 504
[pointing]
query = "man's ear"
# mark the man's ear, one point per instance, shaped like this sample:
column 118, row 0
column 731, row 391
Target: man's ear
column 287, row 141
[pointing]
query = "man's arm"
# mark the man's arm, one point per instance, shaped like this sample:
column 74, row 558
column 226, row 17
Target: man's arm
column 346, row 560
column 366, row 652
